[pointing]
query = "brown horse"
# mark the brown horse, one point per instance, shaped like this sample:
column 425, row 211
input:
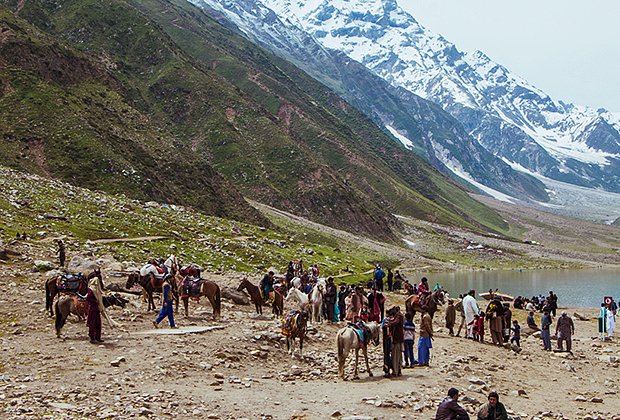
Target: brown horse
column 296, row 326
column 257, row 299
column 52, row 287
column 207, row 288
column 151, row 284
column 66, row 305
column 413, row 304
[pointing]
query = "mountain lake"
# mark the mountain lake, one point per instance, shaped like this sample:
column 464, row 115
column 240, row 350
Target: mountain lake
column 575, row 288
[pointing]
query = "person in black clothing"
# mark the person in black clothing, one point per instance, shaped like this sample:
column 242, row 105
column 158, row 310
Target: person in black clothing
column 342, row 295
column 330, row 299
column 387, row 346
column 552, row 301
column 390, row 280
column 449, row 409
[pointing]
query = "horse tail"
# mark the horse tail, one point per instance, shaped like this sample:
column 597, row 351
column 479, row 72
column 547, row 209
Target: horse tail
column 218, row 301
column 48, row 300
column 60, row 319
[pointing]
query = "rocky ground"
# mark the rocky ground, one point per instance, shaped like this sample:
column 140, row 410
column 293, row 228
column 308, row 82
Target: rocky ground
column 243, row 370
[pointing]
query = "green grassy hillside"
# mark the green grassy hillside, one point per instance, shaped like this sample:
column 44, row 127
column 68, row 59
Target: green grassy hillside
column 162, row 93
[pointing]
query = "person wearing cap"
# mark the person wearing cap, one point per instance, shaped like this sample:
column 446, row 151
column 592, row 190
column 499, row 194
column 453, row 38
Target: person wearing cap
column 493, row 410
column 564, row 329
column 449, row 408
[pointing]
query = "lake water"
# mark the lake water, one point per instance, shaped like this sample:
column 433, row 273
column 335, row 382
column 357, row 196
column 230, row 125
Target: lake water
column 575, row 288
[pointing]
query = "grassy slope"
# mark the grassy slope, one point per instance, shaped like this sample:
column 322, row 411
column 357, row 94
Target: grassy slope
column 283, row 83
column 218, row 244
column 63, row 115
column 276, row 133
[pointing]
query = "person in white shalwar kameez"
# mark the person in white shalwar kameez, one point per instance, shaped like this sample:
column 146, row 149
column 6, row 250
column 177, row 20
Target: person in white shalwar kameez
column 470, row 307
column 611, row 322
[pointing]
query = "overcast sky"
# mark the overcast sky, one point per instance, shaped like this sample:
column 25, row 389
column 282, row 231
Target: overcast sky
column 568, row 48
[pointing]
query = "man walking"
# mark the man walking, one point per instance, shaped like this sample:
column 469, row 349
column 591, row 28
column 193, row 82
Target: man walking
column 166, row 307
column 545, row 323
column 564, row 329
column 461, row 312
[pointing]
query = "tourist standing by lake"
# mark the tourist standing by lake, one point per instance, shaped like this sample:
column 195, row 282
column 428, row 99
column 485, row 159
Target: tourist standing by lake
column 545, row 334
column 564, row 330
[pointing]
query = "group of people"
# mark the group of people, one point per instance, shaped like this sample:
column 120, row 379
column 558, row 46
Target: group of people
column 398, row 332
column 607, row 318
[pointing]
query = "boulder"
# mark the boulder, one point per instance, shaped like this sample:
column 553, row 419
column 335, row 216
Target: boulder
column 41, row 265
column 79, row 264
column 580, row 317
column 239, row 298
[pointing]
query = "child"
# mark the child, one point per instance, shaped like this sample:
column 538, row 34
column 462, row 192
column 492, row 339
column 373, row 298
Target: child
column 481, row 327
column 516, row 329
column 409, row 340
column 364, row 314
column 474, row 324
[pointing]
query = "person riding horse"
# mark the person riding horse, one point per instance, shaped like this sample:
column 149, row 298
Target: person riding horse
column 266, row 287
column 424, row 291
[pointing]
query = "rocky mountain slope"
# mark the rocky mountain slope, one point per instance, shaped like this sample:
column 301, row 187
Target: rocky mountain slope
column 205, row 97
column 508, row 116
column 419, row 124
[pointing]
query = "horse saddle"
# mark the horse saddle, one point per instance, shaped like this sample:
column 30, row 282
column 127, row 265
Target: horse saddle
column 362, row 331
column 192, row 286
column 70, row 283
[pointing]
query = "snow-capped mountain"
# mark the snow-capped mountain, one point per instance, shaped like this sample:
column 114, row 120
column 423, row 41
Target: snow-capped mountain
column 420, row 125
column 508, row 116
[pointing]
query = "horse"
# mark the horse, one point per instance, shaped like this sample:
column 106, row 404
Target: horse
column 207, row 288
column 52, row 287
column 257, row 299
column 151, row 281
column 346, row 339
column 300, row 297
column 412, row 303
column 67, row 304
column 316, row 302
column 295, row 326
column 296, row 283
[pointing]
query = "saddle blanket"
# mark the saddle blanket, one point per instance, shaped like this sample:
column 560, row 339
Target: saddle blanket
column 192, row 286
column 289, row 323
column 70, row 283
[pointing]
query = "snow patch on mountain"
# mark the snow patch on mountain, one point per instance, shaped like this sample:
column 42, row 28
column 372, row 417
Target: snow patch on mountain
column 498, row 107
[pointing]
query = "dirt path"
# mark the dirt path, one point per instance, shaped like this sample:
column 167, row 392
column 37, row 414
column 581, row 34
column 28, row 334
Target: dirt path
column 137, row 239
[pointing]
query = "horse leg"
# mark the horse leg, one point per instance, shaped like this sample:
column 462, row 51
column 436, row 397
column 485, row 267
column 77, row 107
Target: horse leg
column 341, row 355
column 357, row 357
column 366, row 357
column 301, row 347
column 186, row 306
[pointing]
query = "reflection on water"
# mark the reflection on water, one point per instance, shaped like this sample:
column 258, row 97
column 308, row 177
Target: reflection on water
column 575, row 288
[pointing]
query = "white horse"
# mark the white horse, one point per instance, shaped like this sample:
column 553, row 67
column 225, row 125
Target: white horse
column 348, row 339
column 300, row 297
column 296, row 283
column 316, row 302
